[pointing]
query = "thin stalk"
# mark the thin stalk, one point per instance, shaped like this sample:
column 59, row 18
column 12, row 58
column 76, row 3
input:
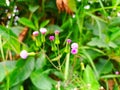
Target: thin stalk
column 59, row 58
column 99, row 9
column 102, row 7
column 99, row 29
column 43, row 6
column 52, row 63
column 1, row 49
column 67, row 66
column 91, row 62
column 8, row 82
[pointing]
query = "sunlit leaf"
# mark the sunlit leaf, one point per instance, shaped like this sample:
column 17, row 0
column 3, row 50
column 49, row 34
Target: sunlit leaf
column 89, row 78
column 27, row 22
column 97, row 42
column 44, row 23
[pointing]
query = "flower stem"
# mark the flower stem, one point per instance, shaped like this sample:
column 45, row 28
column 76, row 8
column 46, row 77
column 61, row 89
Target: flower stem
column 67, row 66
column 1, row 49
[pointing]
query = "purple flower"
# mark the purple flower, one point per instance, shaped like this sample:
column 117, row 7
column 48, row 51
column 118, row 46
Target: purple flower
column 74, row 51
column 68, row 41
column 43, row 30
column 74, row 46
column 57, row 32
column 51, row 38
column 23, row 54
column 35, row 33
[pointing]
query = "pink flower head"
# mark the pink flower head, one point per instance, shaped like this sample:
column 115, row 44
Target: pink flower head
column 74, row 45
column 116, row 72
column 68, row 41
column 35, row 33
column 74, row 51
column 51, row 38
column 23, row 54
column 57, row 32
column 43, row 30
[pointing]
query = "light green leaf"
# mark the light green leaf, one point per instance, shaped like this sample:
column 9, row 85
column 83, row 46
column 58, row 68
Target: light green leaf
column 10, row 38
column 44, row 23
column 6, row 68
column 41, row 61
column 97, row 42
column 115, row 21
column 115, row 35
column 22, row 71
column 33, row 8
column 27, row 23
column 89, row 78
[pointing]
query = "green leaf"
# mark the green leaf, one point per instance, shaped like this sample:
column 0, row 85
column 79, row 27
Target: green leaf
column 115, row 2
column 44, row 23
column 41, row 61
column 27, row 23
column 89, row 78
column 22, row 71
column 17, row 30
column 115, row 35
column 6, row 68
column 97, row 42
column 33, row 8
column 115, row 21
column 41, row 80
column 10, row 38
column 104, row 66
column 112, row 45
column 2, row 3
column 52, row 28
column 6, row 33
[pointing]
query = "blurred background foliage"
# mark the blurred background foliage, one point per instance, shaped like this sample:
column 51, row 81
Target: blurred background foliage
column 93, row 24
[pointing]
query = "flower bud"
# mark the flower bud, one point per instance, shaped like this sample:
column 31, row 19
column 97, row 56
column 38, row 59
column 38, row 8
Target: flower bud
column 23, row 54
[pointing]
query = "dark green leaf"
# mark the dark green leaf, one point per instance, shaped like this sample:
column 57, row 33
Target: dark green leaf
column 104, row 66
column 41, row 80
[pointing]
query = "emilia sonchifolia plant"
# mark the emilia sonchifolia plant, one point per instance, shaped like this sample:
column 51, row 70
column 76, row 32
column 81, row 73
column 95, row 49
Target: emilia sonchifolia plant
column 69, row 50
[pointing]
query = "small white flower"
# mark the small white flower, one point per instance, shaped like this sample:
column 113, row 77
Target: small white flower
column 118, row 14
column 79, row 0
column 74, row 46
column 101, row 88
column 7, row 2
column 23, row 54
column 87, row 7
column 73, row 15
column 43, row 30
